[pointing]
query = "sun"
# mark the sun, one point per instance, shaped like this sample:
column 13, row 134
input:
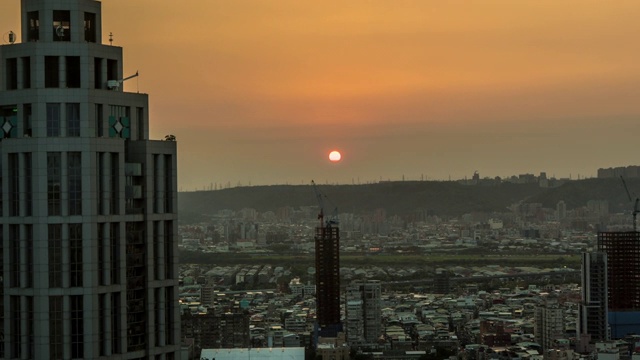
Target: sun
column 335, row 156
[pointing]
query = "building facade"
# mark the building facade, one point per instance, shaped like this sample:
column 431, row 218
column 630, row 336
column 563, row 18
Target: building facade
column 88, row 202
column 327, row 243
column 592, row 319
column 363, row 316
column 549, row 325
column 623, row 280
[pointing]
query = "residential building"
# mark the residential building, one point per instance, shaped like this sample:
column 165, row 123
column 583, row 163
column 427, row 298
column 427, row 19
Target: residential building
column 88, row 203
column 363, row 317
column 592, row 319
column 549, row 325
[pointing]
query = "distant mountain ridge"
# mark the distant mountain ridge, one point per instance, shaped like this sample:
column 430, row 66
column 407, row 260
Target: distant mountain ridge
column 444, row 198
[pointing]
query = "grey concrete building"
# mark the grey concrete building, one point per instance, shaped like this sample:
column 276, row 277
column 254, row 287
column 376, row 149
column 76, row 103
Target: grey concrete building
column 363, row 316
column 88, row 202
column 592, row 318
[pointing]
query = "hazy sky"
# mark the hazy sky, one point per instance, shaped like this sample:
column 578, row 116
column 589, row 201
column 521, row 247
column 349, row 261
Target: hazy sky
column 258, row 92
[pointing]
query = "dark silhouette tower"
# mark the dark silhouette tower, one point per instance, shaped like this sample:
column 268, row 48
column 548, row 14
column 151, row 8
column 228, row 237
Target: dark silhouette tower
column 328, row 275
column 623, row 277
column 327, row 241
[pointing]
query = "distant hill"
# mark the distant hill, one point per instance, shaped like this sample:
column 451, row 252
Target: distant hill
column 447, row 198
column 436, row 198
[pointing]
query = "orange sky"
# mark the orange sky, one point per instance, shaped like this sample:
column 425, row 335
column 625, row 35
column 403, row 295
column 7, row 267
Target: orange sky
column 260, row 91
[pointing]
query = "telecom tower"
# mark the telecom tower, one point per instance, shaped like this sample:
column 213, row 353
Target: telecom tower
column 88, row 202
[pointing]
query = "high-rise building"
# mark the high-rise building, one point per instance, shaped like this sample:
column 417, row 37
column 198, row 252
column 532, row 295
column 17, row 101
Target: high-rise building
column 561, row 210
column 88, row 202
column 549, row 325
column 327, row 241
column 592, row 319
column 623, row 280
column 363, row 315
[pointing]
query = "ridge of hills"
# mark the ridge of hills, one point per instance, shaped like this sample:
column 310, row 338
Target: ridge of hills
column 444, row 198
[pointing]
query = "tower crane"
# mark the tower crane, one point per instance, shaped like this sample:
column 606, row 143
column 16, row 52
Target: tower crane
column 636, row 206
column 333, row 219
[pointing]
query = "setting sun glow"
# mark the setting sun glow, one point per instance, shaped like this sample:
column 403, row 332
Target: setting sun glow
column 335, row 156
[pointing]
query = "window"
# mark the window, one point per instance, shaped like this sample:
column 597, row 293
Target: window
column 112, row 69
column 53, row 120
column 99, row 121
column 61, row 25
column 74, row 178
column 26, row 72
column 168, row 181
column 114, row 243
column 97, row 73
column 34, row 26
column 28, row 238
column 73, row 120
column 140, row 118
column 14, row 251
column 115, row 323
column 168, row 250
column 14, row 184
column 8, row 121
column 119, row 121
column 169, row 318
column 77, row 327
column 55, row 255
column 75, row 255
column 26, row 119
column 51, row 71
column 73, row 71
column 54, row 178
column 90, row 27
column 28, row 184
column 102, row 324
column 157, row 258
column 16, row 333
column 55, row 328
column 12, row 74
column 30, row 327
column 102, row 275
column 114, row 203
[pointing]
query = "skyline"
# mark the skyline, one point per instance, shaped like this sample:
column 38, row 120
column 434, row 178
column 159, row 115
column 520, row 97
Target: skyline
column 260, row 92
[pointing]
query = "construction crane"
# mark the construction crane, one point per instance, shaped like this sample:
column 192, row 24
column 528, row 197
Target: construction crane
column 636, row 206
column 333, row 219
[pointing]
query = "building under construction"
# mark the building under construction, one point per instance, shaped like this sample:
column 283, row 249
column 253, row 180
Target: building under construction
column 327, row 241
column 623, row 268
column 623, row 278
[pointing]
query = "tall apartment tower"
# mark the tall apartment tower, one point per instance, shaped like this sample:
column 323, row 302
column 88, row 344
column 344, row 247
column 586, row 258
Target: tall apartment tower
column 549, row 325
column 623, row 277
column 363, row 315
column 88, row 202
column 592, row 319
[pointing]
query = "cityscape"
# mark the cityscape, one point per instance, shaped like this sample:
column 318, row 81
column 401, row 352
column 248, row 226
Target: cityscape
column 102, row 257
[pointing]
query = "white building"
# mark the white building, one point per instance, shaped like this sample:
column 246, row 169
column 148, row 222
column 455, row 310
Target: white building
column 88, row 202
